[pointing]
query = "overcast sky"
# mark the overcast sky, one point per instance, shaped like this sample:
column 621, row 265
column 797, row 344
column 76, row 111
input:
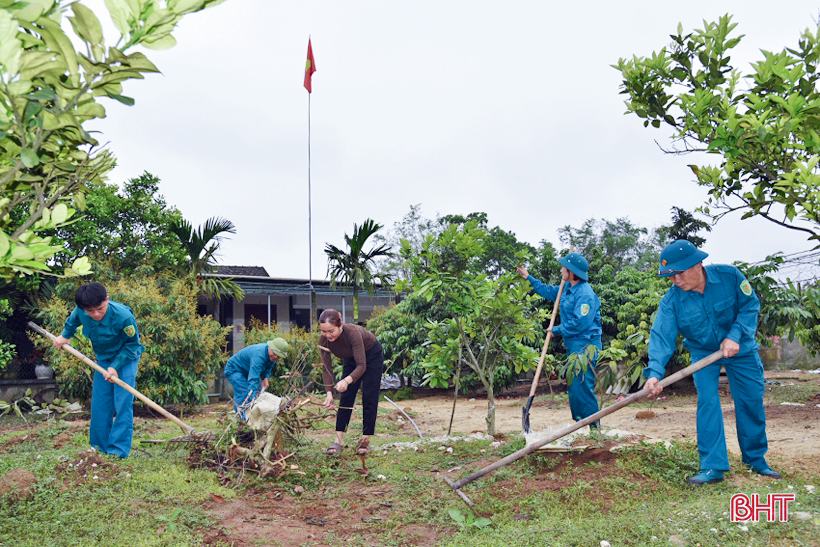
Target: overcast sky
column 511, row 108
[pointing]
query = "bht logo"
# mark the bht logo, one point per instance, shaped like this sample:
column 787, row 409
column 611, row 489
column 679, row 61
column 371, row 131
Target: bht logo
column 776, row 507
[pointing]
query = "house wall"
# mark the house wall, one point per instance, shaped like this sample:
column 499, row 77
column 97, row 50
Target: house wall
column 282, row 317
column 283, row 305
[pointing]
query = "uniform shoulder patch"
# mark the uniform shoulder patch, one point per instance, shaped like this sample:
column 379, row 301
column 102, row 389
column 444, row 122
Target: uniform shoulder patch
column 746, row 287
column 129, row 330
column 584, row 309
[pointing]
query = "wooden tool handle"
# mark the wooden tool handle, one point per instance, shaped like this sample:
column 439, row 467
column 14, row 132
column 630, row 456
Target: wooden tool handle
column 547, row 340
column 683, row 373
column 185, row 427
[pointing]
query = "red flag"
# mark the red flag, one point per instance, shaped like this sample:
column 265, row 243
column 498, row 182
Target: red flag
column 310, row 67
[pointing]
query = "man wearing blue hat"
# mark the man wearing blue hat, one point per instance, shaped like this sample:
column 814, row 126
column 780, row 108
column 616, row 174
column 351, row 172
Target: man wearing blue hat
column 714, row 308
column 249, row 369
column 580, row 327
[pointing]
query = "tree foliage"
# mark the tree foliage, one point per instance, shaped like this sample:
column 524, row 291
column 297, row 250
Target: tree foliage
column 501, row 249
column 620, row 243
column 201, row 245
column 786, row 309
column 414, row 228
column 49, row 91
column 487, row 321
column 128, row 226
column 402, row 330
column 685, row 226
column 765, row 125
column 355, row 266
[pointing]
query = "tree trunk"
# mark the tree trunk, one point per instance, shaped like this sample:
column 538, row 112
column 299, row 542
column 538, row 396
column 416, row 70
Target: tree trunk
column 490, row 408
column 355, row 304
column 455, row 389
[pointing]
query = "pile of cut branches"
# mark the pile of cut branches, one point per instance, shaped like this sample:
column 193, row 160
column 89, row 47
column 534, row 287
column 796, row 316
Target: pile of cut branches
column 266, row 450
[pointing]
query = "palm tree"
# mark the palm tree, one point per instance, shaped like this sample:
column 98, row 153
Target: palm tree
column 201, row 245
column 354, row 266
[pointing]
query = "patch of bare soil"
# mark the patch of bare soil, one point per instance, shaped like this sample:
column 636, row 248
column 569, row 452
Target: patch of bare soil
column 273, row 517
column 86, row 466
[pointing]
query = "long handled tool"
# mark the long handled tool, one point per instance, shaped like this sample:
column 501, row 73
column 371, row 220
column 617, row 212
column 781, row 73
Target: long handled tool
column 671, row 379
column 189, row 431
column 525, row 412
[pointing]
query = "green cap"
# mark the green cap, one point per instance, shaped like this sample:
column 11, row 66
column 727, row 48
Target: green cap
column 279, row 346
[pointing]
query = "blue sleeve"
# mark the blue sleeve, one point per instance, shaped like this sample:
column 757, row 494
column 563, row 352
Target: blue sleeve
column 71, row 323
column 662, row 339
column 745, row 324
column 131, row 347
column 578, row 324
column 547, row 291
column 258, row 369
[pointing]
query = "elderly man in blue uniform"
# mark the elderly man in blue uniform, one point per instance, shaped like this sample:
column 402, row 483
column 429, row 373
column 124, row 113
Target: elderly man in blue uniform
column 714, row 308
column 580, row 327
column 114, row 336
column 250, row 368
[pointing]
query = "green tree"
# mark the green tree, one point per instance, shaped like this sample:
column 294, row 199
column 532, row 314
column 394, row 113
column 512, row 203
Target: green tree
column 786, row 309
column 48, row 93
column 619, row 243
column 488, row 320
column 201, row 245
column 355, row 266
column 685, row 226
column 502, row 250
column 762, row 125
column 129, row 227
column 402, row 330
column 414, row 228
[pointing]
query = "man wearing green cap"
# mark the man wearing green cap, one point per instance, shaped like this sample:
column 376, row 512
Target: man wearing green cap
column 580, row 312
column 249, row 369
column 714, row 308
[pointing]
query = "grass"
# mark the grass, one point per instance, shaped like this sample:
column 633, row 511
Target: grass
column 154, row 499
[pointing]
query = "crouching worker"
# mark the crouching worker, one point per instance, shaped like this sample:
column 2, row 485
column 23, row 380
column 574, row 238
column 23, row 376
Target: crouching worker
column 714, row 308
column 250, row 368
column 112, row 329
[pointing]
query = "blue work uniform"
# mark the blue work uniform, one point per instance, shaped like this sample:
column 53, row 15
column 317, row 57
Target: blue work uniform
column 580, row 327
column 727, row 308
column 245, row 370
column 116, row 342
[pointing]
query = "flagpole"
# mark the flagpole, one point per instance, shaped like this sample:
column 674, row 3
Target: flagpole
column 310, row 68
column 310, row 234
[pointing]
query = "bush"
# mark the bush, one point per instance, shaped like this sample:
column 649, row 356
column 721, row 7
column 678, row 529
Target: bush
column 7, row 349
column 182, row 349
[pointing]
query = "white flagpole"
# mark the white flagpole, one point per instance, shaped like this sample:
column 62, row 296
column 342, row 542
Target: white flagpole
column 311, row 318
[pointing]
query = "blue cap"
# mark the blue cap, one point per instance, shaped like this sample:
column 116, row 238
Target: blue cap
column 575, row 263
column 678, row 256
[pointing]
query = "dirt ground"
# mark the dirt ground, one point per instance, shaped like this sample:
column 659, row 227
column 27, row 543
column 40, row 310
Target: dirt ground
column 279, row 517
column 276, row 515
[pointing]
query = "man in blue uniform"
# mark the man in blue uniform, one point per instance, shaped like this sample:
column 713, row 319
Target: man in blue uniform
column 113, row 332
column 580, row 327
column 249, row 369
column 714, row 308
